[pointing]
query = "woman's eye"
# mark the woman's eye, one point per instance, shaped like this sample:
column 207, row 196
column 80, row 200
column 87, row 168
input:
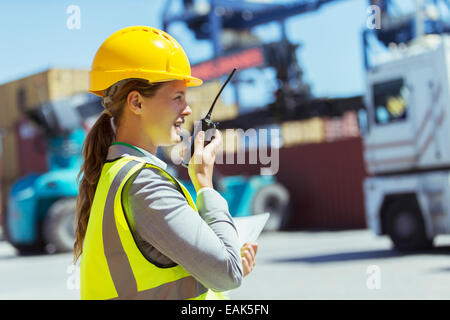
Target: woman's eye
column 178, row 98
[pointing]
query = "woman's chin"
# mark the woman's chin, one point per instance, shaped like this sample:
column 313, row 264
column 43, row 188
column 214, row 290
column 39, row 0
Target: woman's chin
column 171, row 140
column 175, row 137
column 177, row 134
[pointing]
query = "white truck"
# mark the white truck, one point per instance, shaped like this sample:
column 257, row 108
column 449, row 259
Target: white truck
column 407, row 144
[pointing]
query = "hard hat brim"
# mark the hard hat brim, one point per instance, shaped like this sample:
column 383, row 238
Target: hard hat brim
column 101, row 80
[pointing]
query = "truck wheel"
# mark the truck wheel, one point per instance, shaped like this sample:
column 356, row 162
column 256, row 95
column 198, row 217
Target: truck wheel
column 273, row 198
column 58, row 226
column 406, row 227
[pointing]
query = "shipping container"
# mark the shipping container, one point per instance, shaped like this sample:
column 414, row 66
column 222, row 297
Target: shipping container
column 302, row 131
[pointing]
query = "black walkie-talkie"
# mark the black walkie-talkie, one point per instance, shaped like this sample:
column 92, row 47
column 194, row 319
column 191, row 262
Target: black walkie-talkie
column 204, row 125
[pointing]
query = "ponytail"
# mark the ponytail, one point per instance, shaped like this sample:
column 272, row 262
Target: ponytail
column 95, row 150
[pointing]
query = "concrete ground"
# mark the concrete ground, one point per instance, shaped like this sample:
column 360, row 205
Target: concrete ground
column 290, row 265
column 345, row 265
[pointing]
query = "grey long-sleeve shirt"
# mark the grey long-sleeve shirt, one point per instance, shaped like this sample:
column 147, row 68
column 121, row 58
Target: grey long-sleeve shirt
column 168, row 231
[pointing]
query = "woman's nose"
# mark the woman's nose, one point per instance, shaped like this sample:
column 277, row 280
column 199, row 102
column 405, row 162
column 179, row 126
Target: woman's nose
column 187, row 111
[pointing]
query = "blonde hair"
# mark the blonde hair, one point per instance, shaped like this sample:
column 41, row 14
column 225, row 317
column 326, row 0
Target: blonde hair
column 95, row 149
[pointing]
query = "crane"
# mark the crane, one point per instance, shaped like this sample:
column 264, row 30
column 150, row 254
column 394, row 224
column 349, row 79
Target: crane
column 227, row 24
column 293, row 99
column 208, row 22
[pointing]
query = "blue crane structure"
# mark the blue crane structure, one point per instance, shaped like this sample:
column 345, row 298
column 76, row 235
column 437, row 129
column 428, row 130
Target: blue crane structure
column 236, row 15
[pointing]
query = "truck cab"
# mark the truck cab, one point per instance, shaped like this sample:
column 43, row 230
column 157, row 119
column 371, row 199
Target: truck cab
column 406, row 148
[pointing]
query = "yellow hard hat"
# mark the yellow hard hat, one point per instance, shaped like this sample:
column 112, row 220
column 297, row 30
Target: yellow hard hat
column 139, row 52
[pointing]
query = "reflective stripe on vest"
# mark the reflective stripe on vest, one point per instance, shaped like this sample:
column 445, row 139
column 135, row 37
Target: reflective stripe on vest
column 112, row 266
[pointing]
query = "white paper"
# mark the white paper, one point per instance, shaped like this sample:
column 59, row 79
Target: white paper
column 250, row 227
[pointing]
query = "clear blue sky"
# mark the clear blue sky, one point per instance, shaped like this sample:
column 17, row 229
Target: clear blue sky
column 35, row 37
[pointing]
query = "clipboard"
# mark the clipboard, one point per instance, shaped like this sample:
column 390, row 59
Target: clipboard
column 249, row 228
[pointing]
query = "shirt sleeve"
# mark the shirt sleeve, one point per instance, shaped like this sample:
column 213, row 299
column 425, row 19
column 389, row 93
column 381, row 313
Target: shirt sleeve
column 203, row 189
column 205, row 244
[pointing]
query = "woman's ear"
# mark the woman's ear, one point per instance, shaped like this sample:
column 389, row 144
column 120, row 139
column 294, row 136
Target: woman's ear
column 133, row 102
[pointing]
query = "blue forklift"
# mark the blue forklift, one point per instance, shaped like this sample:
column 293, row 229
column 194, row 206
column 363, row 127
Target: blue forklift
column 41, row 206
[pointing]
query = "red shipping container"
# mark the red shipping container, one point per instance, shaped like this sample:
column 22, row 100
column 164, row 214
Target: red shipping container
column 326, row 184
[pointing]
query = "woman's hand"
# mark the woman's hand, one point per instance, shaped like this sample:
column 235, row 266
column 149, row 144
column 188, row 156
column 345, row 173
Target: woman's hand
column 248, row 253
column 201, row 165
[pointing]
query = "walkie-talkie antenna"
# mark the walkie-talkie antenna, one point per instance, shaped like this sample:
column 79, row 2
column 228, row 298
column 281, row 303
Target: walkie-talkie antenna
column 208, row 116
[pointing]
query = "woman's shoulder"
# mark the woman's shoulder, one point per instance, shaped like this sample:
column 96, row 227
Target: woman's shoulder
column 150, row 175
column 151, row 182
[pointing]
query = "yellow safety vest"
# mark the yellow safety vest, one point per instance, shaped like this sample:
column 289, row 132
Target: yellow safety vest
column 112, row 266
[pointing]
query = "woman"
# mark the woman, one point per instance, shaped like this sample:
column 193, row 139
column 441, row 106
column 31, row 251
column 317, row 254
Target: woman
column 139, row 234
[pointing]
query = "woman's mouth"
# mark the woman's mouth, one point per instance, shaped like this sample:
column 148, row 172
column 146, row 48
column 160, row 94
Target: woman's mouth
column 177, row 125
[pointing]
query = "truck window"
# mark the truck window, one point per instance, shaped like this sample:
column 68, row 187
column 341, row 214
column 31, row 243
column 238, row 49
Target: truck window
column 390, row 101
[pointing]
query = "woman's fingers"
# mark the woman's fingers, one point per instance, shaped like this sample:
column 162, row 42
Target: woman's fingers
column 215, row 142
column 198, row 142
column 251, row 246
column 248, row 253
column 197, row 157
column 247, row 268
column 254, row 246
